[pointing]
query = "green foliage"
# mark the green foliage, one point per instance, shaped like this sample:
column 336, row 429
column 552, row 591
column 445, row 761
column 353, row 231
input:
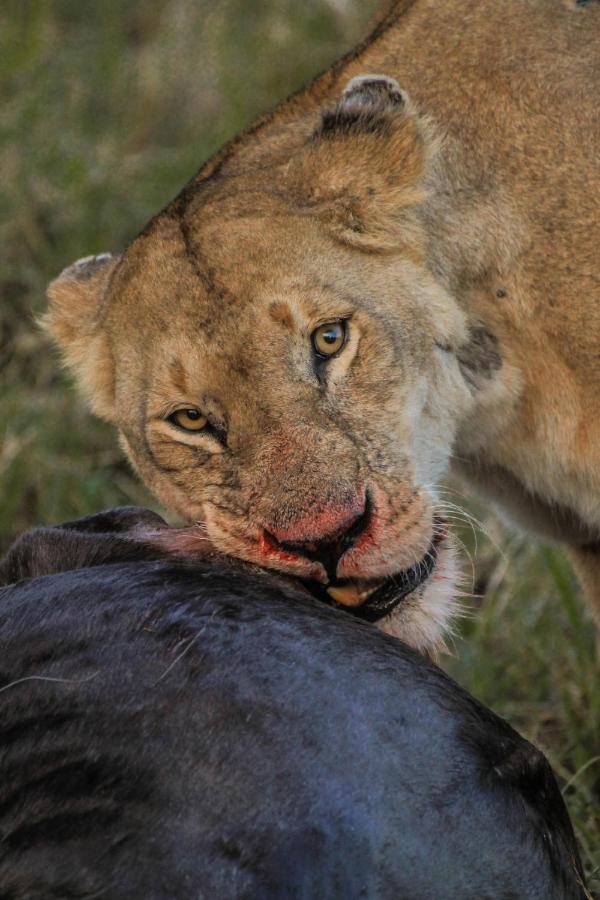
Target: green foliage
column 106, row 109
column 529, row 649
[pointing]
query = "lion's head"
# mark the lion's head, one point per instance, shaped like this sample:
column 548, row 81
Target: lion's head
column 281, row 364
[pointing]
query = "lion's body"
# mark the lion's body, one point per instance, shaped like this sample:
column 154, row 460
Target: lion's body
column 517, row 85
column 458, row 231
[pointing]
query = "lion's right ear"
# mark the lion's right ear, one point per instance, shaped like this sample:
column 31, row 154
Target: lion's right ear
column 74, row 319
column 364, row 166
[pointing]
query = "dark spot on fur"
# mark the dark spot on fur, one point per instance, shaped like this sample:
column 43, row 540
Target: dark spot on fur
column 479, row 358
column 242, row 368
column 340, row 121
column 501, row 292
column 367, row 106
column 281, row 313
column 356, row 226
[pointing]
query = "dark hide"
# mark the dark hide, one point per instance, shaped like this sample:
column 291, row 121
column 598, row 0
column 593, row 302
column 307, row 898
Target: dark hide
column 178, row 730
column 114, row 535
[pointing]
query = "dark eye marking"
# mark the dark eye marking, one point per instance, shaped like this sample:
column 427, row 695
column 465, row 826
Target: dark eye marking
column 192, row 421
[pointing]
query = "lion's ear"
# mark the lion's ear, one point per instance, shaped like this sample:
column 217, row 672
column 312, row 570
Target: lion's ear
column 365, row 163
column 75, row 305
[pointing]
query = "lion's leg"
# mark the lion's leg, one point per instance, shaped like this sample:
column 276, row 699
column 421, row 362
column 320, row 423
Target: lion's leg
column 586, row 562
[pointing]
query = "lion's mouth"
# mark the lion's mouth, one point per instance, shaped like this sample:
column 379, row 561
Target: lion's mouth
column 372, row 600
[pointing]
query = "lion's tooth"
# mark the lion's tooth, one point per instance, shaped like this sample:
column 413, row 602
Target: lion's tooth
column 350, row 594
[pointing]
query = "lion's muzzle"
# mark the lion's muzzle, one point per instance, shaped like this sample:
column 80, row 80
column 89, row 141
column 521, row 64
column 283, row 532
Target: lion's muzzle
column 324, row 536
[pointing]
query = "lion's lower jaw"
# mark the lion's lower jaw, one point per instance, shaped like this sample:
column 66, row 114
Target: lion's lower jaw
column 424, row 618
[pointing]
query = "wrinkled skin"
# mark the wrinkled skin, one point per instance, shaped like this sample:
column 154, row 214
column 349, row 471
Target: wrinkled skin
column 411, row 219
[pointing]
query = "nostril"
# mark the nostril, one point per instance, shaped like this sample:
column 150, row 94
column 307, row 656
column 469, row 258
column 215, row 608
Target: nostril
column 357, row 527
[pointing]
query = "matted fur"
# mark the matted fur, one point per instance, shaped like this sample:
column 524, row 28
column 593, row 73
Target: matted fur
column 438, row 188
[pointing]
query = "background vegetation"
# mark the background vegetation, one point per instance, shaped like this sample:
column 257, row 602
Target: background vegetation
column 106, row 109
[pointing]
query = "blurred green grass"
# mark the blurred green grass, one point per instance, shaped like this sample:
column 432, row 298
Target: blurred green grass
column 105, row 111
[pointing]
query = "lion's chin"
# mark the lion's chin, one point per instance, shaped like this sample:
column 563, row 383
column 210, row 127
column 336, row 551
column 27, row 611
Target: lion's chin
column 424, row 618
column 415, row 605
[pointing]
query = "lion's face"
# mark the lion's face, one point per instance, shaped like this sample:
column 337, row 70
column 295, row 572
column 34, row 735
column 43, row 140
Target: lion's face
column 292, row 393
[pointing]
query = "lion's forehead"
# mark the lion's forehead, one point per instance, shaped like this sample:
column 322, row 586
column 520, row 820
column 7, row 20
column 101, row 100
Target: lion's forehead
column 217, row 290
column 220, row 266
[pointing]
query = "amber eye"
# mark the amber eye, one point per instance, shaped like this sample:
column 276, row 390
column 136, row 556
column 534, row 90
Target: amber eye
column 188, row 419
column 329, row 338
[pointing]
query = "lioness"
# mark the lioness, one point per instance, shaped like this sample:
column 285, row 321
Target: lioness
column 389, row 273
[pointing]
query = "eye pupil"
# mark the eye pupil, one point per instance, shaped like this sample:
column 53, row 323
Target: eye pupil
column 328, row 339
column 188, row 419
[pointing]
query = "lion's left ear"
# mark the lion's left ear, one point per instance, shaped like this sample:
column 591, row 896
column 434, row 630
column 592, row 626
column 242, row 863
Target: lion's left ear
column 75, row 304
column 365, row 162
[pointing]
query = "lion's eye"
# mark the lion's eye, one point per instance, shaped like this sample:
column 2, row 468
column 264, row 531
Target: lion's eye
column 188, row 419
column 328, row 339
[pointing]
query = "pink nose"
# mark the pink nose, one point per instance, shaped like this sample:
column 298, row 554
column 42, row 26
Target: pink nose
column 324, row 535
column 322, row 526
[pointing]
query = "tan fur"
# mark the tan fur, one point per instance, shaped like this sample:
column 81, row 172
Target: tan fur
column 73, row 318
column 448, row 207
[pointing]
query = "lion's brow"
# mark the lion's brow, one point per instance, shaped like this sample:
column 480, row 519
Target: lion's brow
column 179, row 378
column 281, row 313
